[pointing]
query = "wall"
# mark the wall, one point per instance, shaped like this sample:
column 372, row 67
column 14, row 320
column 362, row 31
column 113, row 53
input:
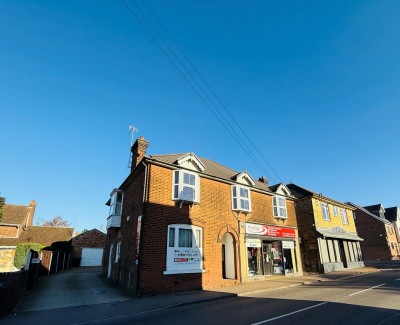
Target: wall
column 7, row 259
column 8, row 231
column 92, row 238
column 334, row 221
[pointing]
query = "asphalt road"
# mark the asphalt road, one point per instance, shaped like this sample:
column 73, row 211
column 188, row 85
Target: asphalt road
column 368, row 299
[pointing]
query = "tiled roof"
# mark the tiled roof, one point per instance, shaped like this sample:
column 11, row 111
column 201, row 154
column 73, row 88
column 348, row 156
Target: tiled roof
column 368, row 212
column 300, row 192
column 40, row 234
column 212, row 168
column 391, row 213
column 90, row 231
column 15, row 214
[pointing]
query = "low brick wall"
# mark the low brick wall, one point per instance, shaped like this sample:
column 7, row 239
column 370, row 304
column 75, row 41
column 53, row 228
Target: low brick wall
column 12, row 287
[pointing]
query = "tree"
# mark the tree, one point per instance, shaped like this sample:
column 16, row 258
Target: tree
column 2, row 202
column 56, row 222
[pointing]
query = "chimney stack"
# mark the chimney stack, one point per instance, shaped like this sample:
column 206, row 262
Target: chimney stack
column 138, row 151
column 31, row 213
column 262, row 179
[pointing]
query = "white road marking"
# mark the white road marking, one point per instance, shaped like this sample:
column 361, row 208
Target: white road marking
column 356, row 293
column 398, row 279
column 294, row 312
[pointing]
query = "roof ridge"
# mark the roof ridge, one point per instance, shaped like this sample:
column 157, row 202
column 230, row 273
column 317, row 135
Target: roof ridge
column 367, row 212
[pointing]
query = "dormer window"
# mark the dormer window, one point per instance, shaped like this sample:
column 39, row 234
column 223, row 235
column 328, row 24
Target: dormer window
column 241, row 198
column 279, row 205
column 116, row 203
column 186, row 186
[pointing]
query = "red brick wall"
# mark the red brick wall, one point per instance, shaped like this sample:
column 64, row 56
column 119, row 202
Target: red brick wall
column 92, row 238
column 373, row 232
column 214, row 215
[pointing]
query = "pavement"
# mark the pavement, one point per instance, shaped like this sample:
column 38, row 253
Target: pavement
column 80, row 287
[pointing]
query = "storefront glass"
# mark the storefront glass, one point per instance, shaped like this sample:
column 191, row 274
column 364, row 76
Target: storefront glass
column 254, row 261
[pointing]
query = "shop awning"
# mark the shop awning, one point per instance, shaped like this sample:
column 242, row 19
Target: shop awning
column 338, row 232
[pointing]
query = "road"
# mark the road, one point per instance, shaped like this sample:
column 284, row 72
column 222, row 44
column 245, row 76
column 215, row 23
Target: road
column 368, row 299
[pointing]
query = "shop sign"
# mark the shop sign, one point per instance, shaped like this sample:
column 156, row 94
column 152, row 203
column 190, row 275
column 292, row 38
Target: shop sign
column 271, row 231
column 187, row 256
column 251, row 242
column 288, row 244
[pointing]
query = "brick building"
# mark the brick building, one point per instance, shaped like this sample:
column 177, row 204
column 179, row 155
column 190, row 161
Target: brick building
column 329, row 240
column 180, row 222
column 88, row 247
column 380, row 240
column 16, row 227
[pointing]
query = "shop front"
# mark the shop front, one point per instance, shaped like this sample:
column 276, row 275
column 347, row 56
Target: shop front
column 271, row 250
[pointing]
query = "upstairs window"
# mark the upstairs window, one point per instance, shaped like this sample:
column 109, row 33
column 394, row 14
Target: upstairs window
column 335, row 211
column 186, row 186
column 325, row 212
column 241, row 198
column 279, row 204
column 344, row 217
column 116, row 203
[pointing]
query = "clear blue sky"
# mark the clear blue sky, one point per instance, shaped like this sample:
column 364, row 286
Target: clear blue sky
column 315, row 85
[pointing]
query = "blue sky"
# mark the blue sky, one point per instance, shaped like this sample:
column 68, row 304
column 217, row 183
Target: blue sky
column 314, row 84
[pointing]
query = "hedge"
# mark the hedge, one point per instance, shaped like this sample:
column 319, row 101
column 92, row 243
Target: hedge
column 21, row 253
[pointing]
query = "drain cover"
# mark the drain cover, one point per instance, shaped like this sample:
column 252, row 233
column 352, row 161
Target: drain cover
column 98, row 291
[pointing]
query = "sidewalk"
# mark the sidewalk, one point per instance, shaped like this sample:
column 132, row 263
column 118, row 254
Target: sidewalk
column 110, row 302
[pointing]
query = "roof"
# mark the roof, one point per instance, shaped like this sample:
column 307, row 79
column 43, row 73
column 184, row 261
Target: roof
column 15, row 214
column 391, row 213
column 373, row 208
column 89, row 231
column 301, row 192
column 212, row 168
column 368, row 212
column 40, row 234
column 338, row 232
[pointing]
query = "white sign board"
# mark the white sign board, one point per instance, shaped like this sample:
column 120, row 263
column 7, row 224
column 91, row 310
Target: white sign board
column 251, row 242
column 288, row 244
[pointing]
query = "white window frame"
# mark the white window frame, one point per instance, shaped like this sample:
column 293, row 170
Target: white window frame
column 278, row 208
column 325, row 208
column 345, row 219
column 178, row 249
column 114, row 203
column 335, row 211
column 178, row 186
column 238, row 199
column 117, row 252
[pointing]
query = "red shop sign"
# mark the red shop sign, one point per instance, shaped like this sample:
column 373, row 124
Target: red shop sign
column 271, row 231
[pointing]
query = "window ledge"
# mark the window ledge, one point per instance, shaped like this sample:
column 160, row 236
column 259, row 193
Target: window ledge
column 241, row 210
column 183, row 271
column 284, row 218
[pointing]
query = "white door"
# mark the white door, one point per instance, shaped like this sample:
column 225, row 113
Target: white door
column 91, row 256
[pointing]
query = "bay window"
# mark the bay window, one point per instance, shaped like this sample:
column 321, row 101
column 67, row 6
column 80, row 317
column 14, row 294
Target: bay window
column 279, row 205
column 186, row 186
column 184, row 251
column 241, row 198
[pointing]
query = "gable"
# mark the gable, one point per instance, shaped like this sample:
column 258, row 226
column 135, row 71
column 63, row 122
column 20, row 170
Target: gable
column 283, row 190
column 245, row 179
column 191, row 161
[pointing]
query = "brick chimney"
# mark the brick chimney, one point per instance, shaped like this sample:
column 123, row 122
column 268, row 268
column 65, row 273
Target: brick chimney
column 262, row 179
column 138, row 151
column 31, row 213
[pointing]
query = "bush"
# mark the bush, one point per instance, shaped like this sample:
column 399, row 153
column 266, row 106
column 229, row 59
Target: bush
column 21, row 253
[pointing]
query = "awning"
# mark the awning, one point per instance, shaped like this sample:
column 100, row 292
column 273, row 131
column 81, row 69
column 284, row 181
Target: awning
column 338, row 232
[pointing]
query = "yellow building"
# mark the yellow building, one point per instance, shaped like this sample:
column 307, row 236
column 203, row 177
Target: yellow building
column 327, row 231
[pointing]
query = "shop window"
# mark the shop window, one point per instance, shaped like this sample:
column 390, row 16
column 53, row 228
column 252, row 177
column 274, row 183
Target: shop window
column 241, row 198
column 325, row 212
column 116, row 203
column 279, row 205
column 184, row 250
column 186, row 186
column 344, row 217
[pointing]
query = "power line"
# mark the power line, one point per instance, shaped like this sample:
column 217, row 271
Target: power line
column 185, row 72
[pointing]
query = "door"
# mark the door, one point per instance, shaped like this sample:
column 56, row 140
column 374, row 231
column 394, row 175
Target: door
column 110, row 261
column 228, row 256
column 91, row 256
column 267, row 260
column 342, row 253
column 223, row 262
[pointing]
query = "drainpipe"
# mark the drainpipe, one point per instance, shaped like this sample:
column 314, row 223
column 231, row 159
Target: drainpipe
column 146, row 171
column 240, row 255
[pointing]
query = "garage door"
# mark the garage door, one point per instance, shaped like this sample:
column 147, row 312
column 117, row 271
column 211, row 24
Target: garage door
column 91, row 256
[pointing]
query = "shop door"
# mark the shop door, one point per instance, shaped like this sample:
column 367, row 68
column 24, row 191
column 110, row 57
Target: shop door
column 267, row 260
